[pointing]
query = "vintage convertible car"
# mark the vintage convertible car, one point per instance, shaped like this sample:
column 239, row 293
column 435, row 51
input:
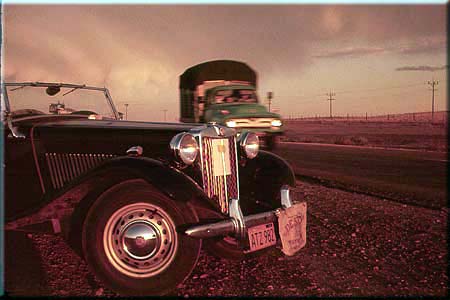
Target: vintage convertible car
column 137, row 199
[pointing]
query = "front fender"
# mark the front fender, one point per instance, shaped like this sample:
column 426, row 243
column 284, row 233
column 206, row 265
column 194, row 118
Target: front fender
column 163, row 177
column 261, row 180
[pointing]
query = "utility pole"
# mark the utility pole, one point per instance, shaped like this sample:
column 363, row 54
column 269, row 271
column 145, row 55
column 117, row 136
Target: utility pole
column 269, row 98
column 432, row 83
column 165, row 111
column 126, row 111
column 330, row 98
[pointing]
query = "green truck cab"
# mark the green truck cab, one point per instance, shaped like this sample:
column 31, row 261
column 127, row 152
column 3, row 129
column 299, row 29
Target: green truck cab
column 224, row 91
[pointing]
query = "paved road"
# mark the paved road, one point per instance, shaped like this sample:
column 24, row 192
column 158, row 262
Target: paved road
column 414, row 177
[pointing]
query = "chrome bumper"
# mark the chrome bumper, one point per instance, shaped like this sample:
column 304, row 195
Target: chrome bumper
column 238, row 223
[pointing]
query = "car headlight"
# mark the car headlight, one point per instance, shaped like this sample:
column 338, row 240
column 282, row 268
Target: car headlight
column 231, row 123
column 276, row 123
column 249, row 143
column 184, row 147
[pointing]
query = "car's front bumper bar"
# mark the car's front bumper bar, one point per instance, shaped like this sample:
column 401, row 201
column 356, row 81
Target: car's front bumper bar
column 237, row 223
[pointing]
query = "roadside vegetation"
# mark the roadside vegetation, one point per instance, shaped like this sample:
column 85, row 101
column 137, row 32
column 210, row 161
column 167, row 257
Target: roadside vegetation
column 420, row 135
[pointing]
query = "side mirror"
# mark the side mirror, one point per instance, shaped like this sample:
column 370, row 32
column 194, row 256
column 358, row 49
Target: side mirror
column 52, row 90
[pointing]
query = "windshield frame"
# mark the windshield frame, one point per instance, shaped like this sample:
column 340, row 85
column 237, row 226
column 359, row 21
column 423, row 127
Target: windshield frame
column 61, row 85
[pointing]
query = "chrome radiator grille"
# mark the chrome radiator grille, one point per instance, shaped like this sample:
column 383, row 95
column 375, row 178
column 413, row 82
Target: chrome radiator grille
column 64, row 167
column 219, row 169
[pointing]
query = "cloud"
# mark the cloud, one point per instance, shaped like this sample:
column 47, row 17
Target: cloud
column 420, row 46
column 422, row 68
column 351, row 52
column 423, row 46
column 138, row 51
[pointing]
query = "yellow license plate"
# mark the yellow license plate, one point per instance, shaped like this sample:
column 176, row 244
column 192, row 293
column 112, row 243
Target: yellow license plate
column 261, row 236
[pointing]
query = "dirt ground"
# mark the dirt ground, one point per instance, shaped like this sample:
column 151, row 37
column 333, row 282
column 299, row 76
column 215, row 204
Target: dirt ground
column 357, row 245
column 410, row 135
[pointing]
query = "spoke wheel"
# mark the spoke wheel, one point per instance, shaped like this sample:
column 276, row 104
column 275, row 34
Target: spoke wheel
column 131, row 243
column 140, row 240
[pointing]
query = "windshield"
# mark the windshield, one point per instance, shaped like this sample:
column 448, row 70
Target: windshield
column 235, row 96
column 29, row 100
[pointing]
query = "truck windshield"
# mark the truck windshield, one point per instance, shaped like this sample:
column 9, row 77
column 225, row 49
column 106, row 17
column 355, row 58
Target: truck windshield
column 235, row 96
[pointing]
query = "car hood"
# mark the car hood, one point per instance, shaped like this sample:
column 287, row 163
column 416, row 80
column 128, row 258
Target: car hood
column 114, row 125
column 105, row 136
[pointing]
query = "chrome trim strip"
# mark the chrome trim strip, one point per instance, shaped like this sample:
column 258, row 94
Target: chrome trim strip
column 58, row 170
column 286, row 201
column 89, row 161
column 49, row 164
column 67, row 166
column 54, row 166
column 83, row 162
column 238, row 218
column 64, row 167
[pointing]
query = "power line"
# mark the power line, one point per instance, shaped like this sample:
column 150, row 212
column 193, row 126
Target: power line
column 352, row 98
column 331, row 99
column 432, row 83
column 352, row 91
column 380, row 89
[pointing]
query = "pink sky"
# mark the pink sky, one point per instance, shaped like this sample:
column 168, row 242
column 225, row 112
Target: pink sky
column 377, row 59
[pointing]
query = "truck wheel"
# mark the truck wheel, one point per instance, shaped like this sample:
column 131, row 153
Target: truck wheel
column 131, row 243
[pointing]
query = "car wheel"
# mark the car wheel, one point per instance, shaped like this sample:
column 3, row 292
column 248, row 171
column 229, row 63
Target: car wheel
column 130, row 240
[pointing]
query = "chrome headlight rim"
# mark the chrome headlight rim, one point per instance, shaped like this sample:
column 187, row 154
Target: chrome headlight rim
column 179, row 146
column 249, row 148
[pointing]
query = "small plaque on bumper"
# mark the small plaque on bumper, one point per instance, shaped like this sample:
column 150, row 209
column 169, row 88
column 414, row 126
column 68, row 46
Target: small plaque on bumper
column 292, row 225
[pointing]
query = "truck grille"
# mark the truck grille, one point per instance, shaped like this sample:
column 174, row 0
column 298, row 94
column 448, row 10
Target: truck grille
column 219, row 170
column 253, row 122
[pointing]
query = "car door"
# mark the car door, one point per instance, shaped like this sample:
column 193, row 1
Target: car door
column 22, row 184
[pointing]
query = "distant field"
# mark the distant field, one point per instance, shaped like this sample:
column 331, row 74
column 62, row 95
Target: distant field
column 419, row 117
column 382, row 133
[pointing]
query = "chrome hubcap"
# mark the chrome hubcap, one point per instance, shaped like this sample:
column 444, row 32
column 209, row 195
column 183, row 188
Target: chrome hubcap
column 140, row 240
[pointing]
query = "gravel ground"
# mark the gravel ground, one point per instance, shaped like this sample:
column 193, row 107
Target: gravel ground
column 357, row 246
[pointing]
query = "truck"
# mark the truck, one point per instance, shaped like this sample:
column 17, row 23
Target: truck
column 224, row 92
